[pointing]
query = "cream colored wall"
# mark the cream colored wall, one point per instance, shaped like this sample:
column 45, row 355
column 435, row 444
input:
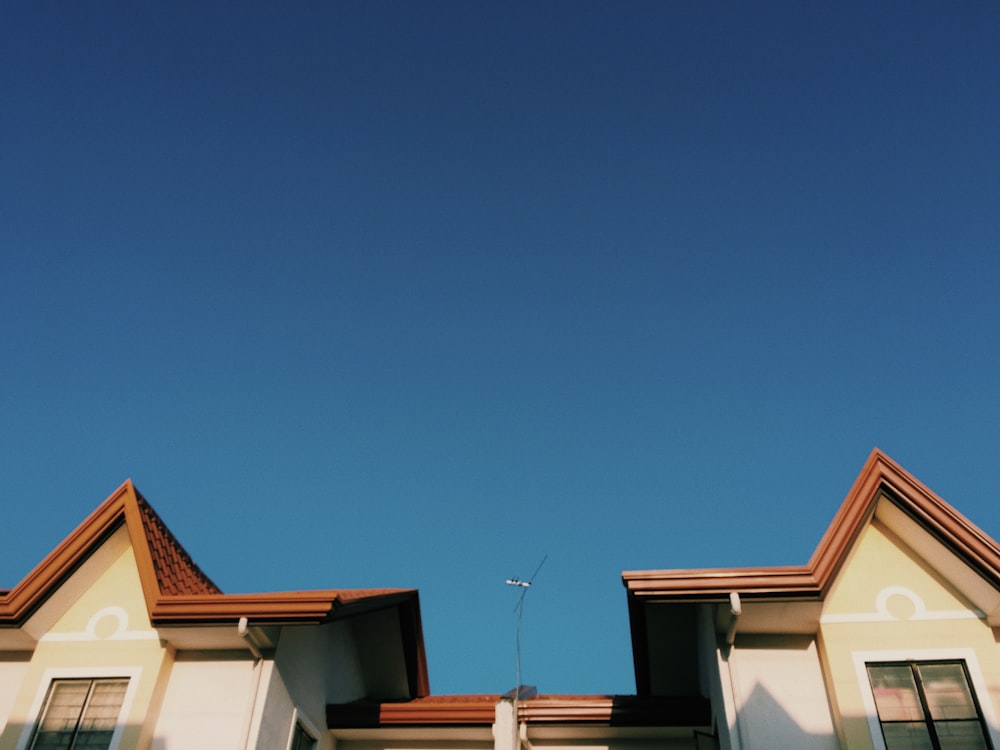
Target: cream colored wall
column 207, row 702
column 779, row 692
column 102, row 631
column 12, row 672
column 887, row 603
column 313, row 665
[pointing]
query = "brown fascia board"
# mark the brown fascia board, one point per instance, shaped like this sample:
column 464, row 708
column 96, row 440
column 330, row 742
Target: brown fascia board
column 956, row 532
column 21, row 601
column 881, row 476
column 450, row 710
column 414, row 653
column 480, row 710
column 716, row 584
column 299, row 607
column 618, row 710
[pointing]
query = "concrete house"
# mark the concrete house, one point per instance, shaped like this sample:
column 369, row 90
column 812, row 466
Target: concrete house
column 887, row 638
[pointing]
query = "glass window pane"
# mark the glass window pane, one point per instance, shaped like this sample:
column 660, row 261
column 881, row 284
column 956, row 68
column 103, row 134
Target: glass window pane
column 53, row 740
column 301, row 740
column 907, row 736
column 93, row 740
column 80, row 714
column 895, row 693
column 101, row 714
column 65, row 703
column 947, row 691
column 104, row 705
column 960, row 735
column 61, row 714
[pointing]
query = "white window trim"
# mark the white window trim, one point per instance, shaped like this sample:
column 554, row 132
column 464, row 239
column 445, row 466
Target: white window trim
column 968, row 655
column 71, row 673
column 300, row 718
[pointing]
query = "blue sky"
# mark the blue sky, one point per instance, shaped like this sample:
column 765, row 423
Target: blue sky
column 413, row 294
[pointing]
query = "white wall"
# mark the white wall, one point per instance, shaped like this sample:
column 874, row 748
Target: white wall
column 313, row 665
column 207, row 704
column 780, row 694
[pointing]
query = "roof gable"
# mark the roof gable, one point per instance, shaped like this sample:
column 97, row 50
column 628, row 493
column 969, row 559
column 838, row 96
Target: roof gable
column 885, row 579
column 790, row 600
column 102, row 596
column 881, row 478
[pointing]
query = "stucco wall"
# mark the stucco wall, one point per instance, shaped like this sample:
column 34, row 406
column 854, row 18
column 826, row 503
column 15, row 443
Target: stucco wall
column 12, row 674
column 206, row 704
column 780, row 694
column 890, row 604
column 94, row 626
column 313, row 665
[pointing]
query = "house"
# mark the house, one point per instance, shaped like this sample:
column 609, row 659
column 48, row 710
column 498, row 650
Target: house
column 118, row 640
column 886, row 638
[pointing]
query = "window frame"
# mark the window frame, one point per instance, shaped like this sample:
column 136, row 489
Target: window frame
column 300, row 722
column 51, row 675
column 929, row 722
column 967, row 656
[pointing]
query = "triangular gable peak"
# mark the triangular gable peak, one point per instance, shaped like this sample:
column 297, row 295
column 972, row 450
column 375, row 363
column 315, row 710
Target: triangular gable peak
column 179, row 595
column 882, row 483
column 164, row 566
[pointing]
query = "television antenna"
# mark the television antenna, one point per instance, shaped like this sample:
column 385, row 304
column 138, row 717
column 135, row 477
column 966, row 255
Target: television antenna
column 519, row 608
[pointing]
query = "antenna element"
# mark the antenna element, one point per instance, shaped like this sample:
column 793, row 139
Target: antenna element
column 519, row 608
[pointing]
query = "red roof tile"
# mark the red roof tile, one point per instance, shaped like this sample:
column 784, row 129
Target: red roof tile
column 176, row 572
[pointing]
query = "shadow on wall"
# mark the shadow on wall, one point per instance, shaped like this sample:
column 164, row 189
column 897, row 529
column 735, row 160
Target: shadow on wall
column 10, row 738
column 767, row 723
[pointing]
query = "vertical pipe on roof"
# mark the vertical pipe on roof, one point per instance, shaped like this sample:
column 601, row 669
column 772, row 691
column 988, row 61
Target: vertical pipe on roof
column 737, row 737
column 243, row 628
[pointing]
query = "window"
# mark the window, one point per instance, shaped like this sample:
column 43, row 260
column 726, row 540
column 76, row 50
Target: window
column 79, row 714
column 301, row 739
column 927, row 704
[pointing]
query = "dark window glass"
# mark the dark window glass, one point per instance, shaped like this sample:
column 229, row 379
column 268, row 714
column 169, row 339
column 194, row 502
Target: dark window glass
column 302, row 740
column 927, row 705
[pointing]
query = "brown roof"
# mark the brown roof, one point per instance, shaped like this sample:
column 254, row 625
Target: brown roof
column 175, row 588
column 881, row 476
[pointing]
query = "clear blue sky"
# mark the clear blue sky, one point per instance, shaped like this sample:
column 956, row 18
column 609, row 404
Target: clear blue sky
column 412, row 294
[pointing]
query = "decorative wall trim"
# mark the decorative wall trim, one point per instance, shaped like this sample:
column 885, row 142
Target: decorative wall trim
column 920, row 611
column 120, row 633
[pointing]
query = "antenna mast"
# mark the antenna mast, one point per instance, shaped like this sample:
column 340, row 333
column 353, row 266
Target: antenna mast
column 519, row 608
